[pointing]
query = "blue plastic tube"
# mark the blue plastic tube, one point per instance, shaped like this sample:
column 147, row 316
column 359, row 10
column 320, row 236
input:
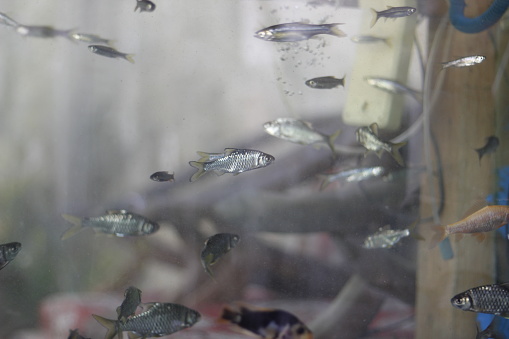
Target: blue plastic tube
column 477, row 24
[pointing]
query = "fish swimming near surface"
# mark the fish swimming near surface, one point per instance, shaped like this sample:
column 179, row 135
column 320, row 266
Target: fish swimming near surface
column 145, row 6
column 233, row 160
column 120, row 223
column 7, row 20
column 163, row 176
column 215, row 247
column 267, row 323
column 387, row 238
column 492, row 331
column 299, row 132
column 42, row 32
column 297, row 31
column 392, row 13
column 159, row 319
column 486, row 219
column 74, row 334
column 352, row 175
column 491, row 146
column 132, row 299
column 394, row 87
column 491, row 299
column 110, row 52
column 327, row 82
column 464, row 62
column 8, row 252
column 370, row 39
column 368, row 137
column 90, row 38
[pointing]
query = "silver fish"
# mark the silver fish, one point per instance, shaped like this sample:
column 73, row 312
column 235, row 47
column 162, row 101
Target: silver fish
column 392, row 12
column 464, row 62
column 368, row 137
column 90, row 38
column 110, row 52
column 145, row 6
column 234, row 160
column 297, row 31
column 491, row 146
column 491, row 299
column 369, row 39
column 8, row 252
column 163, row 176
column 327, row 82
column 42, row 31
column 385, row 238
column 120, row 223
column 215, row 247
column 392, row 86
column 7, row 21
column 352, row 175
column 132, row 299
column 300, row 132
column 160, row 319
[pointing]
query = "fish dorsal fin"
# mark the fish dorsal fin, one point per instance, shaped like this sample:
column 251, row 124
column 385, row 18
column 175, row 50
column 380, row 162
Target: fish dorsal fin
column 476, row 206
column 374, row 128
column 147, row 306
column 228, row 151
column 116, row 212
column 389, row 7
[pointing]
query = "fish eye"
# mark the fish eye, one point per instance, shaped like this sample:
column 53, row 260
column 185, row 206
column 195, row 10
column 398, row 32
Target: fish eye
column 300, row 330
column 462, row 302
column 312, row 83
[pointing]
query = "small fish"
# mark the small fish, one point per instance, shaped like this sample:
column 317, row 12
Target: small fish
column 233, row 160
column 8, row 252
column 145, row 6
column 110, row 52
column 7, row 21
column 325, row 82
column 352, row 175
column 132, row 299
column 90, row 38
column 215, row 247
column 163, row 176
column 394, row 87
column 42, row 31
column 392, row 13
column 492, row 330
column 370, row 39
column 120, row 223
column 74, row 334
column 368, row 137
column 267, row 323
column 158, row 320
column 300, row 132
column 491, row 146
column 386, row 237
column 491, row 299
column 297, row 31
column 464, row 62
column 486, row 219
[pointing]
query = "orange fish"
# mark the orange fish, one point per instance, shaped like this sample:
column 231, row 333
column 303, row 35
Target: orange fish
column 486, row 219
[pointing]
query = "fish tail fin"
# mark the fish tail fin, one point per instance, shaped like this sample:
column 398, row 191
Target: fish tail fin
column 479, row 153
column 201, row 170
column 78, row 226
column 343, row 81
column 396, row 154
column 331, row 139
column 109, row 324
column 204, row 156
column 336, row 31
column 130, row 58
column 413, row 231
column 230, row 315
column 374, row 19
column 438, row 237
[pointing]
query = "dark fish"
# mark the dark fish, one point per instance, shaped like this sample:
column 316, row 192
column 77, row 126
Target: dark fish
column 233, row 160
column 215, row 247
column 392, row 12
column 327, row 82
column 42, row 31
column 368, row 137
column 74, row 334
column 352, row 175
column 110, row 52
column 491, row 299
column 267, row 323
column 492, row 331
column 297, row 31
column 158, row 320
column 491, row 146
column 464, row 62
column 132, row 299
column 7, row 21
column 145, row 6
column 90, row 38
column 163, row 176
column 120, row 223
column 8, row 252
